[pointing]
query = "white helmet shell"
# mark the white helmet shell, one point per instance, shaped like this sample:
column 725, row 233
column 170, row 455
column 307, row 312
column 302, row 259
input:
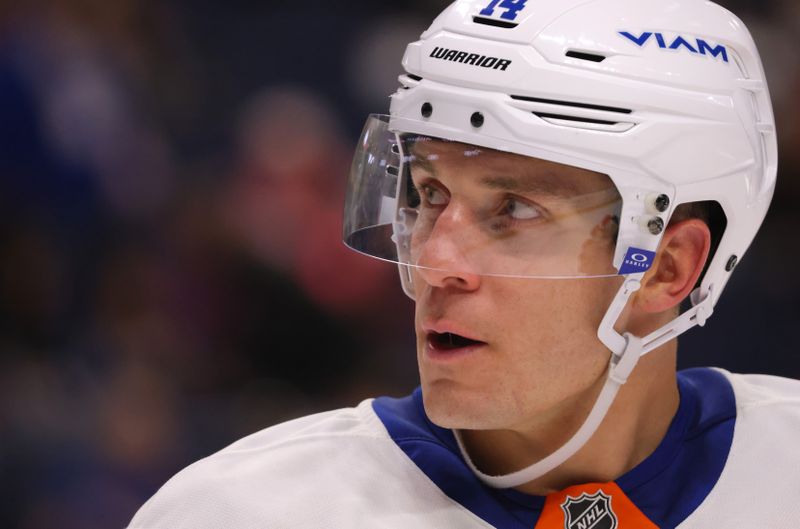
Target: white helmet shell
column 665, row 98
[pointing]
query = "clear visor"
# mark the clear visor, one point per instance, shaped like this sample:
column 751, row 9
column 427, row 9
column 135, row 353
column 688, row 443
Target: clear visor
column 435, row 204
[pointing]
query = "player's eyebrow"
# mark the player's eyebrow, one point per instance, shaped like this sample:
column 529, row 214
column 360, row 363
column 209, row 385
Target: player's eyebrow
column 542, row 181
column 547, row 183
column 424, row 163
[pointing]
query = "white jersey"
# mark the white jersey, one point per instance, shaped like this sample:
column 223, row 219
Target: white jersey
column 730, row 460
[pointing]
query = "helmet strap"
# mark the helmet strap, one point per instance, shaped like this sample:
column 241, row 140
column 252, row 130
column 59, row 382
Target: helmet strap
column 626, row 350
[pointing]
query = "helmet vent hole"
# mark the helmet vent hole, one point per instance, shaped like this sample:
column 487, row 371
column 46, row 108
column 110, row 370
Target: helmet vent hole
column 592, row 57
column 577, row 115
column 409, row 81
column 576, row 119
column 494, row 22
column 573, row 104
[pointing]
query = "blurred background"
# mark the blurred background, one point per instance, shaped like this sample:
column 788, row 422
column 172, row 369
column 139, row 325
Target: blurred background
column 171, row 271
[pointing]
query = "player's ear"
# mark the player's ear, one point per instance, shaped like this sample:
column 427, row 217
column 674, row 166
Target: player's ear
column 679, row 262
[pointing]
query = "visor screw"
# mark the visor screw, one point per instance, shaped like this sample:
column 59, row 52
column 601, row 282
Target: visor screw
column 427, row 110
column 732, row 262
column 476, row 120
column 661, row 203
column 655, row 225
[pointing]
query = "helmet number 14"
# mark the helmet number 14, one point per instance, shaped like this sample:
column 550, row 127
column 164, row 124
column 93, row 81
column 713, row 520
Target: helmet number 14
column 512, row 7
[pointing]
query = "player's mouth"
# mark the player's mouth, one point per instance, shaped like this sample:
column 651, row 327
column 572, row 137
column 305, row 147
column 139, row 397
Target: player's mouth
column 448, row 345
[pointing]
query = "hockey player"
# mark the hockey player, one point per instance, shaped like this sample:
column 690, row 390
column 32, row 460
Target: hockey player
column 555, row 181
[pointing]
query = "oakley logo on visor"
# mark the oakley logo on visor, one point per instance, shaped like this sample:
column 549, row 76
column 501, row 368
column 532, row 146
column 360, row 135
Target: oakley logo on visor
column 636, row 261
column 696, row 46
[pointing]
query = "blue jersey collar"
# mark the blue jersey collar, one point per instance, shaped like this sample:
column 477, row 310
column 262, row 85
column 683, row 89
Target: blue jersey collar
column 667, row 486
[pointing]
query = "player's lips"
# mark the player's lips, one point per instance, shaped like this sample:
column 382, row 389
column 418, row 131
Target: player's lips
column 445, row 340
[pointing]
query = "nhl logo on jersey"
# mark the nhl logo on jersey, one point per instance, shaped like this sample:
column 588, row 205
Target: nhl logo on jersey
column 589, row 512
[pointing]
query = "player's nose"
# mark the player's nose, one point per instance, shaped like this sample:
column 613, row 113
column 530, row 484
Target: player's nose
column 444, row 258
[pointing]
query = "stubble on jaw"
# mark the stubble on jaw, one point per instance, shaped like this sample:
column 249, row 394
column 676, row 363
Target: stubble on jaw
column 521, row 384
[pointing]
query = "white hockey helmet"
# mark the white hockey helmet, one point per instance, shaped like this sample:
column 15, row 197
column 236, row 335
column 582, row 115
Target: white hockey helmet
column 668, row 99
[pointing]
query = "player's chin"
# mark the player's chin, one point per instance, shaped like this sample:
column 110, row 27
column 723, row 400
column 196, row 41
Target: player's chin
column 455, row 405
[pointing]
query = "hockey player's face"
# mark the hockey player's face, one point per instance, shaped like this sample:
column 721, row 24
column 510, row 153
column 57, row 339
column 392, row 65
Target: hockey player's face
column 498, row 352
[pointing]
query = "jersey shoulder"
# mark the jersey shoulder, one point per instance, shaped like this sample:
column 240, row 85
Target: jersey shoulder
column 755, row 489
column 754, row 391
column 316, row 471
column 237, row 486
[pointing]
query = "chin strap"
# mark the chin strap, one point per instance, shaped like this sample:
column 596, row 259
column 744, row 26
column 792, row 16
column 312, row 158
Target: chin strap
column 626, row 350
column 618, row 372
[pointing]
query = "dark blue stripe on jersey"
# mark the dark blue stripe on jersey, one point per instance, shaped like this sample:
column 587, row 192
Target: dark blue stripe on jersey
column 435, row 452
column 667, row 486
column 670, row 484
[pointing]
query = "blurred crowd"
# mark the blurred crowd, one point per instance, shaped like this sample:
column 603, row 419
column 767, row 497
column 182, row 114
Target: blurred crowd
column 172, row 275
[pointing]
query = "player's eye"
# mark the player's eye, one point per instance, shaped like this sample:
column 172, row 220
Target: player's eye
column 520, row 210
column 432, row 195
